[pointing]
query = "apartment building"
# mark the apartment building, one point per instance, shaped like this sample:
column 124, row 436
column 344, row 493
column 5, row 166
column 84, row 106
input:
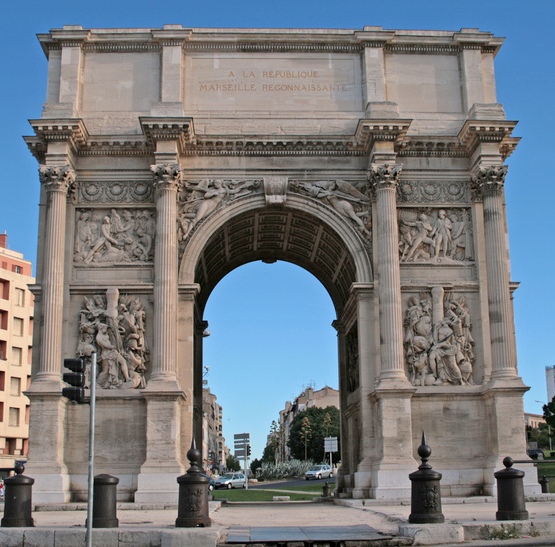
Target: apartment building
column 214, row 450
column 321, row 398
column 16, row 335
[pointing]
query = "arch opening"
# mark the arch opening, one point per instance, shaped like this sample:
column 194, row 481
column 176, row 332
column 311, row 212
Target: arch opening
column 271, row 337
column 277, row 233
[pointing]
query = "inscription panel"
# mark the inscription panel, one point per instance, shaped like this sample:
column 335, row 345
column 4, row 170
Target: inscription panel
column 273, row 83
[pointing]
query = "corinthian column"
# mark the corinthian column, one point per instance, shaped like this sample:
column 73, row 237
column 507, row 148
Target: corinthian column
column 489, row 183
column 57, row 181
column 167, row 181
column 383, row 178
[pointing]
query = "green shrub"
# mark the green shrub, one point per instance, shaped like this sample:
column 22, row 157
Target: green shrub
column 283, row 470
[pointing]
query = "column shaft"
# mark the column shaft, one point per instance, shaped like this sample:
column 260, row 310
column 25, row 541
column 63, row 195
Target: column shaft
column 503, row 349
column 165, row 275
column 389, row 275
column 56, row 181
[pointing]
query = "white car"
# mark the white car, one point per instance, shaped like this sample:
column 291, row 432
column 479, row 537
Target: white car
column 231, row 480
column 319, row 472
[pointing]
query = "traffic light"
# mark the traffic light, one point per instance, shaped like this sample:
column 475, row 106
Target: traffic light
column 248, row 450
column 75, row 378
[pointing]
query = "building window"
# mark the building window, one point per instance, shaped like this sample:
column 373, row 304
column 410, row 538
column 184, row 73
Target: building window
column 15, row 387
column 2, row 380
column 1, row 411
column 3, row 320
column 3, row 348
column 4, row 289
column 13, row 417
column 17, row 326
column 11, row 446
column 17, row 356
column 19, row 297
column 17, row 269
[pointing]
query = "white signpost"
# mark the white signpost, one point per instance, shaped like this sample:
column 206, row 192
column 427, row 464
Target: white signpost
column 330, row 445
column 242, row 443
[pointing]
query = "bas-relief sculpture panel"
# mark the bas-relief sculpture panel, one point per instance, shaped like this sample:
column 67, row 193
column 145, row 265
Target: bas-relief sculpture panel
column 438, row 341
column 435, row 235
column 113, row 236
column 113, row 326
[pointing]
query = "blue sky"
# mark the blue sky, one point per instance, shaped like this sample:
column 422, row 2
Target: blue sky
column 271, row 324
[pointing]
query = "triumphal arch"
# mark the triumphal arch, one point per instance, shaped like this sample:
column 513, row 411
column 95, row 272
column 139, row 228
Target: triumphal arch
column 372, row 158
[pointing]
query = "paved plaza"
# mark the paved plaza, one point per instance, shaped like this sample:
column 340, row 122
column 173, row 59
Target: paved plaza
column 468, row 521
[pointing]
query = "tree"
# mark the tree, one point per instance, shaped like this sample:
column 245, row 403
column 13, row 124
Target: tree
column 255, row 464
column 549, row 415
column 232, row 463
column 268, row 456
column 319, row 430
column 306, row 434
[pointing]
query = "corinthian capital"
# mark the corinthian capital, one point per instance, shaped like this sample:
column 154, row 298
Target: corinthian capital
column 489, row 180
column 166, row 176
column 383, row 175
column 58, row 177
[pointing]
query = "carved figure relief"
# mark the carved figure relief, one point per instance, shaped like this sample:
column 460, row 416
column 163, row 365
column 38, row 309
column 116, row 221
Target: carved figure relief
column 439, row 347
column 114, row 236
column 114, row 327
column 435, row 236
column 202, row 197
column 342, row 196
column 353, row 377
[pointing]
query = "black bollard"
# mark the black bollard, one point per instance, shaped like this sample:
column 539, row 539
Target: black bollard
column 192, row 507
column 425, row 490
column 326, row 490
column 17, row 499
column 544, row 481
column 510, row 493
column 104, row 502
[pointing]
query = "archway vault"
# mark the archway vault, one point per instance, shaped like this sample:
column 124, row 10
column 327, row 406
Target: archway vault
column 331, row 251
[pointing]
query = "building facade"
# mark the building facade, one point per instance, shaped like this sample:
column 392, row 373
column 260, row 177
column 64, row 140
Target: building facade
column 321, row 398
column 213, row 442
column 373, row 158
column 550, row 383
column 16, row 344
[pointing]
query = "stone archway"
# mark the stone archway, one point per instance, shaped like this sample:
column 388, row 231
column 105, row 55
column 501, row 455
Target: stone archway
column 331, row 152
column 299, row 231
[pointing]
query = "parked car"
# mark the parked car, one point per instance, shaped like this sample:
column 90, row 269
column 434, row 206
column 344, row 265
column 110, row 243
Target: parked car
column 319, row 472
column 231, row 480
column 212, row 481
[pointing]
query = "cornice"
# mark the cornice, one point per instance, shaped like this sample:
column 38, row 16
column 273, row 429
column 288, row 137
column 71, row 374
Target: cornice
column 368, row 132
column 282, row 145
column 270, row 40
column 69, row 130
column 272, row 47
column 431, row 147
column 475, row 132
column 168, row 129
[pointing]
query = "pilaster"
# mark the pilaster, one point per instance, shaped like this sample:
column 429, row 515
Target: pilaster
column 489, row 183
column 164, row 362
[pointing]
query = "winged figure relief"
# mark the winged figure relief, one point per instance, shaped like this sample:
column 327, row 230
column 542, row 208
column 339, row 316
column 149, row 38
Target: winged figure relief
column 342, row 196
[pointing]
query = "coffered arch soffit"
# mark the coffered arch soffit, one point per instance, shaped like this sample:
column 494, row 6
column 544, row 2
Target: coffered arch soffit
column 301, row 232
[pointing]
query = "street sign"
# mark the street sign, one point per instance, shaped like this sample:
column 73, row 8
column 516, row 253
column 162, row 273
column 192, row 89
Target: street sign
column 242, row 437
column 330, row 444
column 240, row 453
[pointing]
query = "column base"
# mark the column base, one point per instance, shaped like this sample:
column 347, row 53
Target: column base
column 49, row 487
column 158, row 485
